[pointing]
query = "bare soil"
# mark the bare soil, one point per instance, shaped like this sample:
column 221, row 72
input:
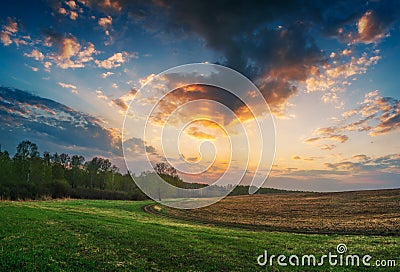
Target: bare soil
column 375, row 212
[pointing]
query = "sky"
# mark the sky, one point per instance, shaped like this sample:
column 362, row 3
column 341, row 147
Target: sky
column 328, row 71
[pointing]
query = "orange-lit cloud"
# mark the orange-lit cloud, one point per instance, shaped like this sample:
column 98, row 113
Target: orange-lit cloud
column 338, row 138
column 211, row 98
column 198, row 134
column 335, row 137
column 8, row 30
column 5, row 38
column 69, row 47
column 71, row 4
column 87, row 53
column 327, row 147
column 36, row 54
column 190, row 159
column 312, row 140
column 360, row 157
column 109, row 5
column 312, row 158
column 115, row 60
column 11, row 26
column 70, row 9
column 69, row 51
column 369, row 28
column 279, row 84
column 105, row 22
column 123, row 101
column 146, row 80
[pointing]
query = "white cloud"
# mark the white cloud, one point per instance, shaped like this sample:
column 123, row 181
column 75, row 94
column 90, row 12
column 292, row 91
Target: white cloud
column 35, row 69
column 101, row 95
column 107, row 74
column 71, row 87
column 66, row 85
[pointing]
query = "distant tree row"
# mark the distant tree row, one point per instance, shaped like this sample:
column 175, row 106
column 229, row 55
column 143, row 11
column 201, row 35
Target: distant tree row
column 28, row 175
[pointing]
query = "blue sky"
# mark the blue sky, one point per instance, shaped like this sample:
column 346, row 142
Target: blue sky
column 329, row 72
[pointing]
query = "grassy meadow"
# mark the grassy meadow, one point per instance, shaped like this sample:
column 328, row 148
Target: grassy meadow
column 97, row 235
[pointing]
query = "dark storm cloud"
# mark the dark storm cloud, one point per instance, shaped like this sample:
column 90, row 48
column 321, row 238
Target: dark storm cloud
column 194, row 92
column 49, row 122
column 271, row 42
column 249, row 39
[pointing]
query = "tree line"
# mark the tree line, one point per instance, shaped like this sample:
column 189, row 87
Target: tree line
column 29, row 175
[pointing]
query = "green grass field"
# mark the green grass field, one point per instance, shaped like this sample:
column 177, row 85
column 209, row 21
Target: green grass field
column 85, row 235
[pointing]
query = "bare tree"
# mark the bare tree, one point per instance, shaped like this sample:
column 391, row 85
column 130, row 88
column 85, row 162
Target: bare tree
column 163, row 168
